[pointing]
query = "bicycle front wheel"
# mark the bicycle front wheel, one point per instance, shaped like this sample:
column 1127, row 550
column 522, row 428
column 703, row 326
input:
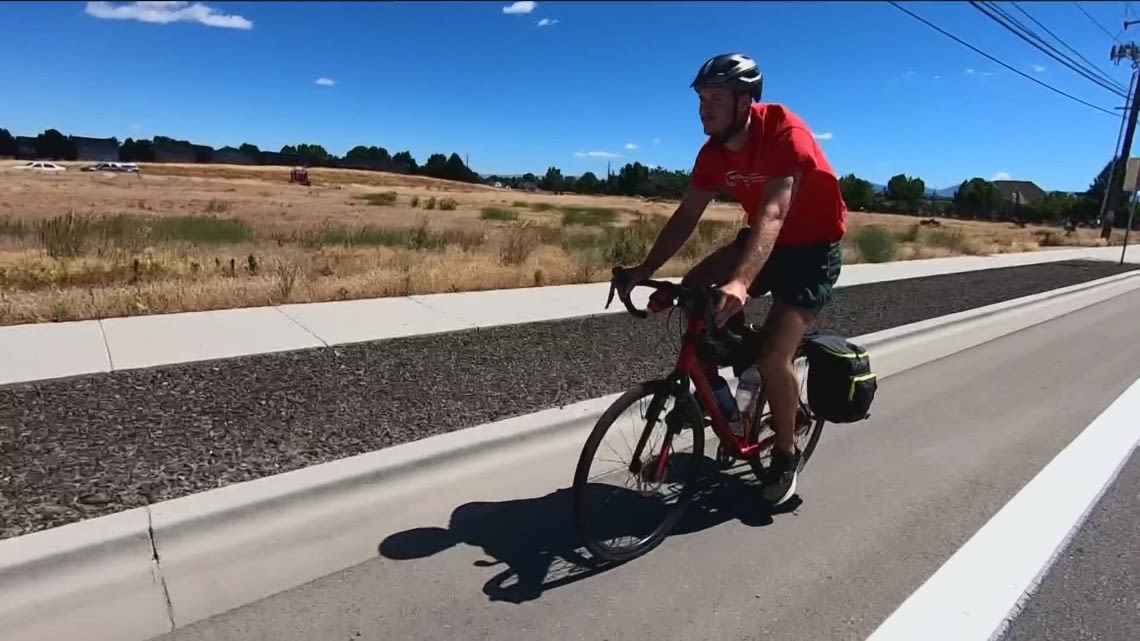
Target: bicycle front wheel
column 664, row 439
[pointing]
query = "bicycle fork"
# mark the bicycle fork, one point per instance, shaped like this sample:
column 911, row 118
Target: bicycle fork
column 672, row 426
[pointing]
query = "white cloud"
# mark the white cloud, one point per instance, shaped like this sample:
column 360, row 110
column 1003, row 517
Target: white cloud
column 1001, row 175
column 824, row 136
column 631, row 146
column 546, row 22
column 657, row 141
column 1038, row 69
column 166, row 13
column 970, row 72
column 596, row 154
column 518, row 8
column 326, row 82
column 937, row 77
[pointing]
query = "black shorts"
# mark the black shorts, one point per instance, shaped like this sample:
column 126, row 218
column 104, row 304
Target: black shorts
column 799, row 275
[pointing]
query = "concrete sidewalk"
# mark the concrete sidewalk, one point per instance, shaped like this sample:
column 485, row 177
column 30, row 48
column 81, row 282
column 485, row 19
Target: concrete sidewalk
column 57, row 350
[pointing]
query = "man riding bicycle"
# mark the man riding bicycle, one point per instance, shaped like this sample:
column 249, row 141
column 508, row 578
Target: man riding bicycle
column 766, row 157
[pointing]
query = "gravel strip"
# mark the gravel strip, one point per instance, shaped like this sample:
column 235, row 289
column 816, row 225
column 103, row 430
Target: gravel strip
column 92, row 445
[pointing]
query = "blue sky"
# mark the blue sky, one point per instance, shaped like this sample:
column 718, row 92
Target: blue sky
column 522, row 87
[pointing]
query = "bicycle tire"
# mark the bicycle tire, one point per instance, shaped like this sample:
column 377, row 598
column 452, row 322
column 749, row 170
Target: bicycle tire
column 691, row 420
column 816, row 429
column 813, row 440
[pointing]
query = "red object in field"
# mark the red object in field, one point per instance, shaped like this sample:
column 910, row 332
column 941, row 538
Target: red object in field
column 299, row 175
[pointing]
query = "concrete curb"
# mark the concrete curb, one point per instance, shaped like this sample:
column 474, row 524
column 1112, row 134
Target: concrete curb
column 899, row 348
column 188, row 559
column 55, row 583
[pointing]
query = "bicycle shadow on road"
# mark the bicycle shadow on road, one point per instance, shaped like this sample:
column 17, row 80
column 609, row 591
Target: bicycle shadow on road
column 536, row 540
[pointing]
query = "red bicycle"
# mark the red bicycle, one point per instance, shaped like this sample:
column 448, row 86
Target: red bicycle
column 701, row 343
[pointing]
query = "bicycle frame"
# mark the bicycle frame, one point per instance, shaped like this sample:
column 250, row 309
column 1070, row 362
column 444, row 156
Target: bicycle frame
column 689, row 364
column 689, row 367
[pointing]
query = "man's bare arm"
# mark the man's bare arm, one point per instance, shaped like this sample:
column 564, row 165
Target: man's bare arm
column 778, row 194
column 679, row 227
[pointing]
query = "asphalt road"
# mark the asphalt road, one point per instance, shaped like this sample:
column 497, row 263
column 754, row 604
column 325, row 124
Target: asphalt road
column 1092, row 593
column 884, row 503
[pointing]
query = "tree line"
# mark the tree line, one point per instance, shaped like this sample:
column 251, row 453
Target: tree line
column 54, row 145
column 632, row 179
column 978, row 198
column 975, row 198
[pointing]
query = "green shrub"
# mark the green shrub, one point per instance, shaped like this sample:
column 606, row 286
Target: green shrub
column 877, row 245
column 498, row 213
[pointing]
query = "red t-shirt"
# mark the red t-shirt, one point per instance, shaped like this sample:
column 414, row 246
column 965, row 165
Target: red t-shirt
column 779, row 144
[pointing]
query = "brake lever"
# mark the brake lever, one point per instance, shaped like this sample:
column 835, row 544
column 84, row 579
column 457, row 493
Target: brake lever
column 620, row 273
column 640, row 313
column 714, row 295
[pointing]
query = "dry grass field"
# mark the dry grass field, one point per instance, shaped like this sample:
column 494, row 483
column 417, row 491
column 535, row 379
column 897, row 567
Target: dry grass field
column 194, row 237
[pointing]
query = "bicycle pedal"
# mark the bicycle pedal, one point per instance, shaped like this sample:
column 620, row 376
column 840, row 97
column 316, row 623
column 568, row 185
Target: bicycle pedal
column 724, row 458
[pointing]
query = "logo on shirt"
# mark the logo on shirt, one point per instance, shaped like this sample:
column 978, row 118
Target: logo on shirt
column 734, row 178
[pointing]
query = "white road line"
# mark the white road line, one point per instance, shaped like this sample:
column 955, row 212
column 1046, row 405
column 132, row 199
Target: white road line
column 979, row 589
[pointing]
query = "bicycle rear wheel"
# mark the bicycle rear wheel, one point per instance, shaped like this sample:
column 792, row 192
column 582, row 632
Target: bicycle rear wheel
column 675, row 454
column 809, row 427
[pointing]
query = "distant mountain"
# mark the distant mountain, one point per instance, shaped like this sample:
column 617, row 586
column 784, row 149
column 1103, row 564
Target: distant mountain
column 945, row 192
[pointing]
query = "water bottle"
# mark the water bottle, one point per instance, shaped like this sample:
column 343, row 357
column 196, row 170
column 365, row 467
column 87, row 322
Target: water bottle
column 727, row 404
column 747, row 390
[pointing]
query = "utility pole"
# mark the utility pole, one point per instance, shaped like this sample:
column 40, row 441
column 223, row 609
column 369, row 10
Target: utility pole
column 1115, row 189
column 1128, row 227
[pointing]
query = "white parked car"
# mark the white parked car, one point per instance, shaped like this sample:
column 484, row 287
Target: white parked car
column 41, row 167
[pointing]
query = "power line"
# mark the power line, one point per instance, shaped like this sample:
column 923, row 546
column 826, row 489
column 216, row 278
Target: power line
column 1053, row 53
column 1097, row 23
column 993, row 59
column 1026, row 33
column 1091, row 67
column 1102, row 80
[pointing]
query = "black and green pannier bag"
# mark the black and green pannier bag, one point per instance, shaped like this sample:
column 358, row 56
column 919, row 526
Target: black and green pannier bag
column 841, row 385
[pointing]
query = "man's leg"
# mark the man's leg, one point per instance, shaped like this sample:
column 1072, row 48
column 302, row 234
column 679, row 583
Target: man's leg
column 803, row 279
column 784, row 329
